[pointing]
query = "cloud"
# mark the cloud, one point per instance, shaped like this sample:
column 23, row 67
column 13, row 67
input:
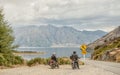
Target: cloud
column 63, row 12
column 106, row 28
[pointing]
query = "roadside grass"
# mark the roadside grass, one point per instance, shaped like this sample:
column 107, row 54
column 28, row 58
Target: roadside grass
column 45, row 61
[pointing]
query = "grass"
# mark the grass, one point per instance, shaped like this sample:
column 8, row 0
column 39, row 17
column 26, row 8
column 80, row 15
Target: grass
column 61, row 61
column 9, row 59
column 36, row 61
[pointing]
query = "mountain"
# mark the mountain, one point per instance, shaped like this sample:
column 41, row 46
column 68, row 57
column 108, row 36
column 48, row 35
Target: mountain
column 108, row 37
column 47, row 36
column 107, row 48
column 109, row 51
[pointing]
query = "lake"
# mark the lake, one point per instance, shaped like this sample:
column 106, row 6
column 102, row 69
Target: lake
column 60, row 52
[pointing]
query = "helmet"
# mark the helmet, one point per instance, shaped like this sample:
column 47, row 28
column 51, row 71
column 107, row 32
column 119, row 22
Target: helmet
column 74, row 52
column 54, row 53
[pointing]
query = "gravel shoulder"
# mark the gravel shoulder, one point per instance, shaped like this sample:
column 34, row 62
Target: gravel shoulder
column 88, row 69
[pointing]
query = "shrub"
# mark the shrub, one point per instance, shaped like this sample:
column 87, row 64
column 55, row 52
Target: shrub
column 9, row 60
column 97, row 47
column 118, row 45
column 2, row 60
column 63, row 61
column 18, row 60
column 36, row 61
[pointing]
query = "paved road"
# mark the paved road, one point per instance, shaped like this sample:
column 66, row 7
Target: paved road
column 108, row 66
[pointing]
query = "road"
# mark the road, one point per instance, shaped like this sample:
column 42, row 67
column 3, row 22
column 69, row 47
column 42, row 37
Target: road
column 90, row 68
column 108, row 66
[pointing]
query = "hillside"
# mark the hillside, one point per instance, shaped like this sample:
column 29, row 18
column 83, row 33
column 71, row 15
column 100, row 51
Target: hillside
column 108, row 37
column 108, row 47
column 47, row 36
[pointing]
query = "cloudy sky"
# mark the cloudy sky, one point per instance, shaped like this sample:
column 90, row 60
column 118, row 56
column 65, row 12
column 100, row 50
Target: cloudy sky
column 80, row 14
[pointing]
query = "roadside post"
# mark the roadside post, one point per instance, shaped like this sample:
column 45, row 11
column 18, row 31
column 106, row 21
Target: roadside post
column 83, row 48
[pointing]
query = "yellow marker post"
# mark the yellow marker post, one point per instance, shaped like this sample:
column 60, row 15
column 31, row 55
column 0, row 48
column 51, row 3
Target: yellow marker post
column 83, row 47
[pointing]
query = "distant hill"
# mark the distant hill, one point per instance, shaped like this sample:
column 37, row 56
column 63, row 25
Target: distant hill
column 47, row 36
column 107, row 38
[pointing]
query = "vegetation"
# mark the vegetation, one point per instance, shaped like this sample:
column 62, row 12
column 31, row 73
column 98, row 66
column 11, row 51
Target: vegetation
column 9, row 60
column 45, row 61
column 99, row 50
column 6, row 44
column 63, row 61
column 36, row 61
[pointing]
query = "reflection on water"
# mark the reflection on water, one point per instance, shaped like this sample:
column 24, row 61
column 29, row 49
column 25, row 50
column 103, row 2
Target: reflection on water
column 60, row 52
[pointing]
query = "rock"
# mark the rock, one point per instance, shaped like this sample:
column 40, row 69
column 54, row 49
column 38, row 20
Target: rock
column 118, row 59
column 117, row 56
column 112, row 55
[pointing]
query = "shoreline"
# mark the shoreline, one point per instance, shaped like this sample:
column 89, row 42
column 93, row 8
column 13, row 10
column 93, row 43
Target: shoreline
column 27, row 52
column 53, row 47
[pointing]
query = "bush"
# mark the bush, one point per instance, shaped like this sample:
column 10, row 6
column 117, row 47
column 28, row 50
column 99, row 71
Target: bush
column 97, row 47
column 2, row 60
column 18, row 60
column 9, row 60
column 63, row 61
column 36, row 61
column 118, row 45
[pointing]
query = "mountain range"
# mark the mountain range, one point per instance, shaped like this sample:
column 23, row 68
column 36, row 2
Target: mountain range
column 51, row 36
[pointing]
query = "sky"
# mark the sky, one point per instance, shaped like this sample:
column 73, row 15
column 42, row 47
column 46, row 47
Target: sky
column 79, row 14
